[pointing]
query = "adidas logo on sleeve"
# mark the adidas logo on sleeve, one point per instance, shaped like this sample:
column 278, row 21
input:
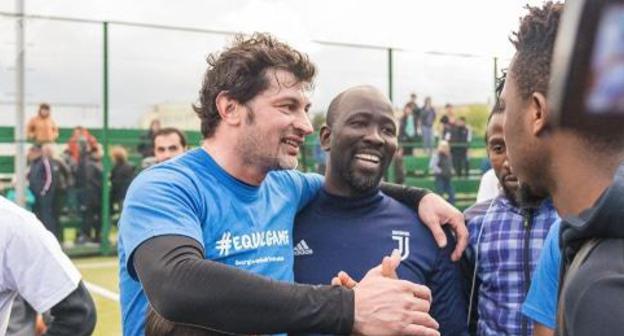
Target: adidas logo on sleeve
column 302, row 249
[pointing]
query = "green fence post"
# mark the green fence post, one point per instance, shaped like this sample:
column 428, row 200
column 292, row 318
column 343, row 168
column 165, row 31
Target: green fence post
column 105, row 247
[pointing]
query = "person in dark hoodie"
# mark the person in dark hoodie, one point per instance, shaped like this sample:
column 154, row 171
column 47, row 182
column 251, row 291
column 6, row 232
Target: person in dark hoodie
column 90, row 177
column 577, row 167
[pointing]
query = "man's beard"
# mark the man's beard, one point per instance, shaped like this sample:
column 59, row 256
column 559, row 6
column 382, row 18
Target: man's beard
column 254, row 150
column 361, row 183
column 525, row 197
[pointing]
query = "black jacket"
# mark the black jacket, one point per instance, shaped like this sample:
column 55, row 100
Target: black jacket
column 594, row 297
column 121, row 176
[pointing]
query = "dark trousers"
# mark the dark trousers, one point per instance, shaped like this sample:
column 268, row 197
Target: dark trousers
column 91, row 223
column 90, row 210
column 443, row 186
column 44, row 209
column 460, row 161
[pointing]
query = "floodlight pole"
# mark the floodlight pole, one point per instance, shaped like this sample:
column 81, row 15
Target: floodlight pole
column 20, row 56
column 105, row 218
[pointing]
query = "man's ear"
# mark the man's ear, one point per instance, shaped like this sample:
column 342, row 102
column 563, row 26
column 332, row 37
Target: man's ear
column 325, row 138
column 539, row 113
column 229, row 109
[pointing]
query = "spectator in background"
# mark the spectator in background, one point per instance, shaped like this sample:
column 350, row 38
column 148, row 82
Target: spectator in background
column 42, row 128
column 11, row 196
column 415, row 113
column 408, row 124
column 168, row 142
column 427, row 118
column 121, row 176
column 459, row 141
column 41, row 181
column 61, row 176
column 440, row 165
column 450, row 113
column 80, row 140
column 146, row 141
column 445, row 128
column 89, row 180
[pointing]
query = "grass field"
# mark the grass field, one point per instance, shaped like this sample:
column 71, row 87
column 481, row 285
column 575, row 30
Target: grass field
column 101, row 274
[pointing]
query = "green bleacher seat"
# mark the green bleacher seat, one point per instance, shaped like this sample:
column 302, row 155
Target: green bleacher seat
column 7, row 164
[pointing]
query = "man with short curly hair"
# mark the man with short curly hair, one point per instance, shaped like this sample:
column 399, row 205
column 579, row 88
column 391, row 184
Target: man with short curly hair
column 577, row 168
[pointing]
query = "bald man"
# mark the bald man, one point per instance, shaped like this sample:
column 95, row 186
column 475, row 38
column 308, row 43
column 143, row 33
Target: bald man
column 351, row 224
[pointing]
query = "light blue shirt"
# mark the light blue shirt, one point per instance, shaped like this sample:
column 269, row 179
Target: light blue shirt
column 245, row 226
column 541, row 301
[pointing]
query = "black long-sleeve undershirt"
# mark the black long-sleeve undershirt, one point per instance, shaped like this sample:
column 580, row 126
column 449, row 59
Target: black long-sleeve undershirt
column 409, row 196
column 184, row 287
column 74, row 315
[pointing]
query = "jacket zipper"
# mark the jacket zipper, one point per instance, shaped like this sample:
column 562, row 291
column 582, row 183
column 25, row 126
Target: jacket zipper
column 528, row 223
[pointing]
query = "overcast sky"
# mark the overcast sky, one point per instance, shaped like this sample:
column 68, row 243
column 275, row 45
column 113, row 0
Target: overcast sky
column 149, row 66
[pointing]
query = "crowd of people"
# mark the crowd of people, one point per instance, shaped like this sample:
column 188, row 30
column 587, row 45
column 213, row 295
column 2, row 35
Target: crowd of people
column 229, row 238
column 70, row 182
column 446, row 147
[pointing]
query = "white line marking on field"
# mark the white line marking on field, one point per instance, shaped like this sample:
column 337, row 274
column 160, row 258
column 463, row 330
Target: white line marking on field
column 101, row 291
column 97, row 265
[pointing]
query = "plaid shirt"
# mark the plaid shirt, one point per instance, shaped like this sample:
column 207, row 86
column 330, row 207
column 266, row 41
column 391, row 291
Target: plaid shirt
column 508, row 250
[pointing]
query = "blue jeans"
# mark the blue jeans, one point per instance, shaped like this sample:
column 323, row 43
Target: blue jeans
column 427, row 134
column 443, row 185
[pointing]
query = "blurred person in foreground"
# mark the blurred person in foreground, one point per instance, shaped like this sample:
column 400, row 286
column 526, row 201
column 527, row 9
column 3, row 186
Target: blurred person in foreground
column 33, row 266
column 577, row 167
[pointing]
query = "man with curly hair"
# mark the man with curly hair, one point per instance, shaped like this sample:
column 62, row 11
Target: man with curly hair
column 197, row 230
column 577, row 168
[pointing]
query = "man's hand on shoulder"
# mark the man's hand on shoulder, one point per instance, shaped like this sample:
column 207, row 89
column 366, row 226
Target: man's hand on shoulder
column 435, row 212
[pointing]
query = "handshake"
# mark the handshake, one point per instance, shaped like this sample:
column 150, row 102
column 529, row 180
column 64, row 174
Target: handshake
column 385, row 305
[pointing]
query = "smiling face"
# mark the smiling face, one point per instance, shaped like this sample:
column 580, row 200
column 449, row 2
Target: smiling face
column 275, row 124
column 361, row 139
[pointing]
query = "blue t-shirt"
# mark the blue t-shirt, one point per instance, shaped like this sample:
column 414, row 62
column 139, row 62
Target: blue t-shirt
column 540, row 304
column 335, row 234
column 245, row 226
